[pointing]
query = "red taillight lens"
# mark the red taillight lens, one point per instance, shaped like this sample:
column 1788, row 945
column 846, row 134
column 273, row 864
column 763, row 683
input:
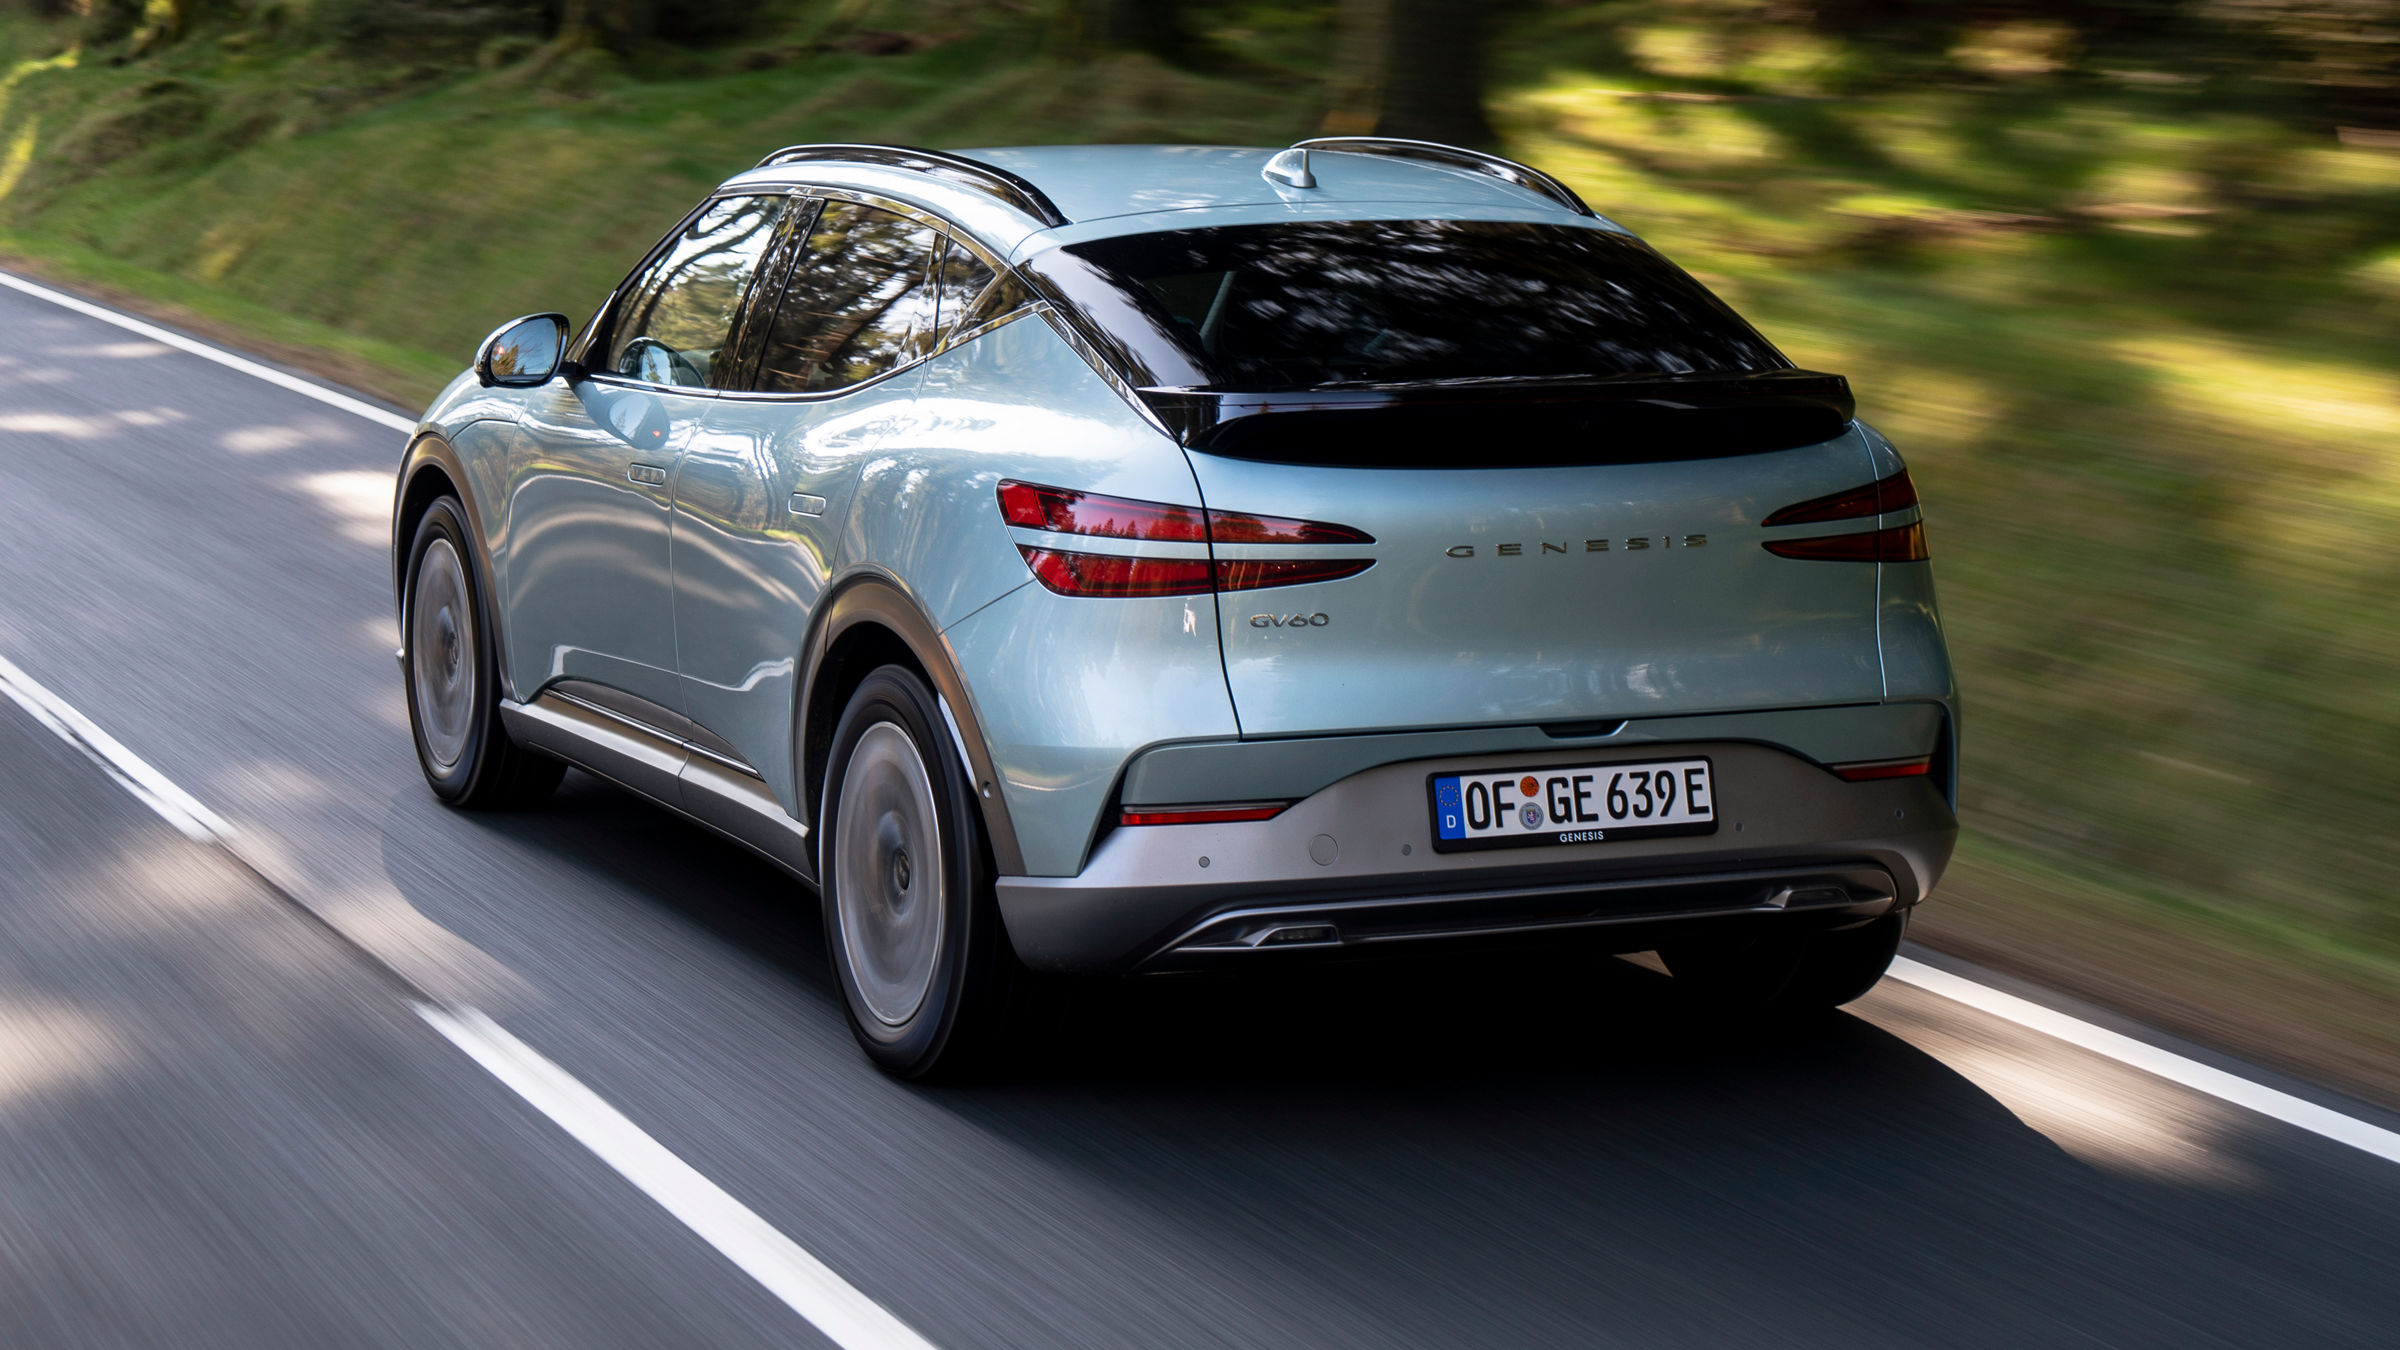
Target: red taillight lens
column 1889, row 768
column 1201, row 815
column 1901, row 543
column 1235, row 527
column 1068, row 512
column 1106, row 574
column 1250, row 574
column 1069, row 572
column 1895, row 493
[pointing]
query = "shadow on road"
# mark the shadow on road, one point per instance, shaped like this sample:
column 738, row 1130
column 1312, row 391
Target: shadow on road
column 1532, row 1146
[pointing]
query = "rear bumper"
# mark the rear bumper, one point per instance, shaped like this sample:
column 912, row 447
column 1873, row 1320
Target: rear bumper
column 1352, row 868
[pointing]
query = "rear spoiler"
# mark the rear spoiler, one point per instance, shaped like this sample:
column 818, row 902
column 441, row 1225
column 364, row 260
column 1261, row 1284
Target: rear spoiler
column 1504, row 423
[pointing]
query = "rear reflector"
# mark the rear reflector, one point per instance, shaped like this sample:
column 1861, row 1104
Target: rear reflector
column 1901, row 543
column 1895, row 493
column 1889, row 768
column 1201, row 815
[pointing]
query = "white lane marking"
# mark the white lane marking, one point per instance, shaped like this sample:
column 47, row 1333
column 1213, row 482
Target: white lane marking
column 831, row 1304
column 850, row 1318
column 2190, row 1073
column 805, row 1284
column 204, row 351
column 152, row 788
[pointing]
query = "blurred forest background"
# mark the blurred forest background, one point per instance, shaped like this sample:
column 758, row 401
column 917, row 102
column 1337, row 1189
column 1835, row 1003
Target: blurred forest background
column 2121, row 277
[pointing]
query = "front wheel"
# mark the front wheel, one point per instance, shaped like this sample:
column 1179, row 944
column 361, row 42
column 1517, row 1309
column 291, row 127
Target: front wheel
column 1787, row 973
column 453, row 676
column 910, row 922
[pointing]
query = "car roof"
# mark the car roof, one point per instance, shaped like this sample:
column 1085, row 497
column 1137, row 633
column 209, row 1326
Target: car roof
column 1105, row 190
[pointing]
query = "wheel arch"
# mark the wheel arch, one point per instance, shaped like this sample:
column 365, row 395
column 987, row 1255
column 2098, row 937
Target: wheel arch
column 432, row 469
column 868, row 620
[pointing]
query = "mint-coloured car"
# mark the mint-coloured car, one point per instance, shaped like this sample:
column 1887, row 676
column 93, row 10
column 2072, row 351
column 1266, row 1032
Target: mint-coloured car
column 1115, row 559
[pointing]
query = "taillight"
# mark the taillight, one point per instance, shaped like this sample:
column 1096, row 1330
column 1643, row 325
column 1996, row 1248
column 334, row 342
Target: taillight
column 1884, row 768
column 1237, row 527
column 1900, row 543
column 1076, row 572
column 1201, row 815
column 1107, row 574
column 1895, row 493
column 1250, row 574
column 1068, row 512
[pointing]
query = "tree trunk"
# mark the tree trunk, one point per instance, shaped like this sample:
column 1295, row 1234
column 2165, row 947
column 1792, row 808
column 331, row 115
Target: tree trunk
column 1086, row 28
column 1410, row 68
column 615, row 24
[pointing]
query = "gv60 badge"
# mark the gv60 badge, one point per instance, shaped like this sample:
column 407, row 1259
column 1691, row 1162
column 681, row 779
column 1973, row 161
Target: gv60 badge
column 1290, row 620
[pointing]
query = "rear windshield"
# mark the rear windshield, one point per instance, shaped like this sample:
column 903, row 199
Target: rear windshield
column 1310, row 304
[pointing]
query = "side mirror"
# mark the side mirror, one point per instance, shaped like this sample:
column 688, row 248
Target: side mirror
column 522, row 352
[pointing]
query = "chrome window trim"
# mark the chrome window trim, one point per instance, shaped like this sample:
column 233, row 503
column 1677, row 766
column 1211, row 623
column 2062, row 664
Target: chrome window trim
column 1002, row 321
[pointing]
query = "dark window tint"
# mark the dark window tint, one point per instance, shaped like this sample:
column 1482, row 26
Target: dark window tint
column 677, row 318
column 961, row 278
column 1304, row 304
column 860, row 302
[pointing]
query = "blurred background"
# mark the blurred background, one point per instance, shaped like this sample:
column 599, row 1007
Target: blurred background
column 2119, row 276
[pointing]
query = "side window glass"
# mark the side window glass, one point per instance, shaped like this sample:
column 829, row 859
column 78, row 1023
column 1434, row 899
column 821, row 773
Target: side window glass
column 675, row 322
column 961, row 278
column 750, row 333
column 1002, row 297
column 861, row 301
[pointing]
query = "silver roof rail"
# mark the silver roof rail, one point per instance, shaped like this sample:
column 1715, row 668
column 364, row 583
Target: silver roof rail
column 1457, row 157
column 989, row 179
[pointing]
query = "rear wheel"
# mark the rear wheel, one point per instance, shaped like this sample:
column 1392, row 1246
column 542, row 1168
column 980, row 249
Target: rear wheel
column 1787, row 973
column 910, row 922
column 453, row 676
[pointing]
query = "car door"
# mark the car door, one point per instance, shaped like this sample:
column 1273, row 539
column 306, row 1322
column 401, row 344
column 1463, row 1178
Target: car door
column 590, row 606
column 849, row 306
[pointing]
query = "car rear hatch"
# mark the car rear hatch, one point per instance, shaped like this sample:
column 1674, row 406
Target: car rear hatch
column 1508, row 587
column 1556, row 448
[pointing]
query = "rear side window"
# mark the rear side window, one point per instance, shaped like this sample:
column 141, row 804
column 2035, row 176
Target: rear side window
column 677, row 319
column 961, row 278
column 861, row 301
column 1002, row 297
column 1309, row 304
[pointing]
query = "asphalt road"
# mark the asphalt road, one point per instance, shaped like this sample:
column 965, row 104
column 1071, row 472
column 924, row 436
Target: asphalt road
column 221, row 1124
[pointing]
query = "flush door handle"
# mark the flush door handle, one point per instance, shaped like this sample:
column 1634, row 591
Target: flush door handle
column 651, row 474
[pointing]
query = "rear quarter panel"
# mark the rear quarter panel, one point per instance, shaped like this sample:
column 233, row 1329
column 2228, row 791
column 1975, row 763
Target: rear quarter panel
column 1065, row 689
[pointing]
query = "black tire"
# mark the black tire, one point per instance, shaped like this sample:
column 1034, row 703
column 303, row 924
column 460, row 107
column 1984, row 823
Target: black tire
column 450, row 670
column 925, row 976
column 1786, row 974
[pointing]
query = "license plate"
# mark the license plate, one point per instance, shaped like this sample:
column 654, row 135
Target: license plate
column 1578, row 804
